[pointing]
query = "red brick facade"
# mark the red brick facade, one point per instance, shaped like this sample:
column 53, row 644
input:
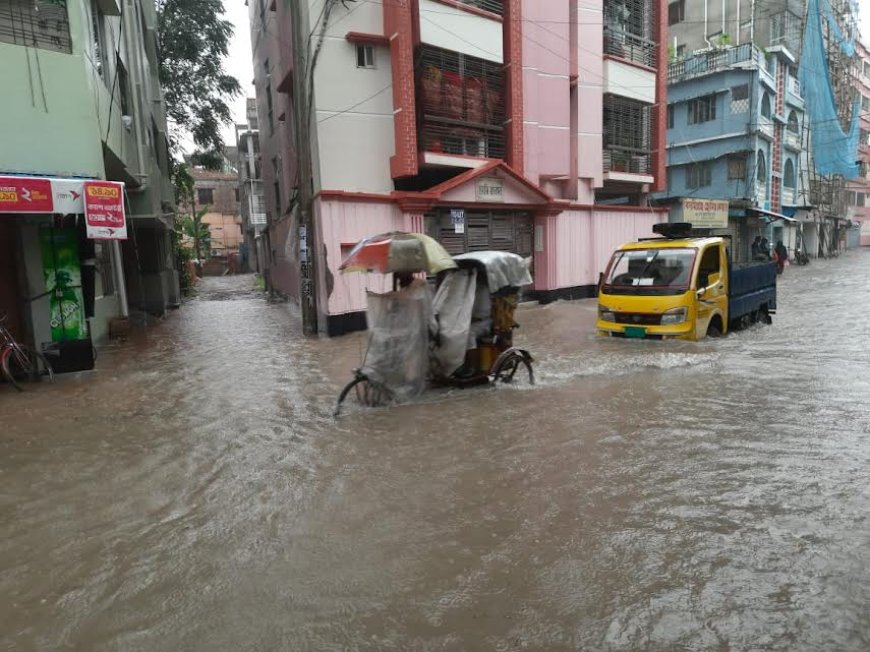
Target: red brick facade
column 513, row 59
column 399, row 29
column 660, row 108
column 776, row 155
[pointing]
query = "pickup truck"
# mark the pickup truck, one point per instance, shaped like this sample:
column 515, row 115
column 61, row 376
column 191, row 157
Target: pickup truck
column 677, row 286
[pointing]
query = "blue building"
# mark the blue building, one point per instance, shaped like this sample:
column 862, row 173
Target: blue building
column 736, row 133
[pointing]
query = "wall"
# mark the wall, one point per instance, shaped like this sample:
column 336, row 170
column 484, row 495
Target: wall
column 590, row 107
column 355, row 134
column 572, row 248
column 344, row 223
column 623, row 79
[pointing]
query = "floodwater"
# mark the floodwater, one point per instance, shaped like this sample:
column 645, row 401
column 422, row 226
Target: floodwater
column 195, row 493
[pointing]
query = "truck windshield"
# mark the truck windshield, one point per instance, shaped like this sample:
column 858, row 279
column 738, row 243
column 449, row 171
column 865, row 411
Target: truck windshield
column 649, row 271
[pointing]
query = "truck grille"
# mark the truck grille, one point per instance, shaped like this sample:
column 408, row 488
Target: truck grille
column 638, row 319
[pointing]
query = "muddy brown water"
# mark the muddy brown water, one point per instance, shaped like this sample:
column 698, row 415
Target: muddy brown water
column 194, row 492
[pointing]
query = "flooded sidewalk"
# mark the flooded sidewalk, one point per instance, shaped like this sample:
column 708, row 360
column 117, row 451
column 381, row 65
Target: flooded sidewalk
column 195, row 493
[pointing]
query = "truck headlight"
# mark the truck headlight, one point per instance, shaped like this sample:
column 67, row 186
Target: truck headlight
column 674, row 316
column 606, row 314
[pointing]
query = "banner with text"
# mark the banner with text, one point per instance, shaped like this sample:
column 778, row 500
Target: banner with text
column 104, row 210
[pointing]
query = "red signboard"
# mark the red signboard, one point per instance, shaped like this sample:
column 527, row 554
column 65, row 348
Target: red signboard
column 104, row 210
column 25, row 195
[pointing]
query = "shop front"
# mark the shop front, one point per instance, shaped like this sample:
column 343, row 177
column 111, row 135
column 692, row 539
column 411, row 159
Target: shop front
column 59, row 279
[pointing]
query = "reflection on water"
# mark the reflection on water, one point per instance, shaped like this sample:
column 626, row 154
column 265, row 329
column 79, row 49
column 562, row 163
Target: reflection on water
column 195, row 494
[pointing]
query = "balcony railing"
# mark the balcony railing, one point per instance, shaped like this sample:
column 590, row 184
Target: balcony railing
column 792, row 139
column 445, row 136
column 492, row 6
column 626, row 160
column 714, row 61
column 794, row 86
column 630, row 47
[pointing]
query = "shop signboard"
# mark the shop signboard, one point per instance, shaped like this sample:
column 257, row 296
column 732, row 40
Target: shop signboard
column 25, row 195
column 705, row 213
column 63, row 283
column 104, row 210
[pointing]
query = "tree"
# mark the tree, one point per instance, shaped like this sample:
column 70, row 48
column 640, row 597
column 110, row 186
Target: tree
column 194, row 40
column 192, row 227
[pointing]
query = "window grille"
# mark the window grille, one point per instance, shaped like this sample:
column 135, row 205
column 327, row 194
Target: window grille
column 736, row 168
column 40, row 24
column 461, row 107
column 628, row 31
column 492, row 6
column 626, row 135
column 676, row 12
column 740, row 98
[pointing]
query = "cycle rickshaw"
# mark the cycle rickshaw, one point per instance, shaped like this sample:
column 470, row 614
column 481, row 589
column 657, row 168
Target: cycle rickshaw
column 460, row 336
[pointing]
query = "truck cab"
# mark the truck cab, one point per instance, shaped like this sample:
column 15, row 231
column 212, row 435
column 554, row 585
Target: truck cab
column 681, row 287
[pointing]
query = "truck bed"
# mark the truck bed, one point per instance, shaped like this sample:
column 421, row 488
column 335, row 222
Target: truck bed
column 751, row 286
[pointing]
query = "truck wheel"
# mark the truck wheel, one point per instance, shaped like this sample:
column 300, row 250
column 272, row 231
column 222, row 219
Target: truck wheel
column 715, row 328
column 764, row 316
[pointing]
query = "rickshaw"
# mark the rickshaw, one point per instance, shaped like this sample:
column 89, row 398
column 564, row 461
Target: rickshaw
column 461, row 336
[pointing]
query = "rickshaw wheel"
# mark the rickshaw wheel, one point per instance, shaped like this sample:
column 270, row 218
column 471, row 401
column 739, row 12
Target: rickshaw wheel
column 368, row 393
column 509, row 363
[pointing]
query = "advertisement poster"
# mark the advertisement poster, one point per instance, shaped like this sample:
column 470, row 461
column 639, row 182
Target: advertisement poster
column 63, row 283
column 25, row 195
column 104, row 210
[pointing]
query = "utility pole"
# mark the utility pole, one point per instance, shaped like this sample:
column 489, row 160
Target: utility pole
column 302, row 117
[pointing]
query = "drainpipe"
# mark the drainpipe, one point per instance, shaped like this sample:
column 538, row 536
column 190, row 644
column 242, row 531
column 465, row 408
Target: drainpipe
column 738, row 23
column 706, row 40
column 752, row 23
column 723, row 16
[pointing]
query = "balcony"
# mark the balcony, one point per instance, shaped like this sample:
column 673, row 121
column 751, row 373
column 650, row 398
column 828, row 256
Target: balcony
column 628, row 31
column 629, row 47
column 761, row 194
column 715, row 61
column 792, row 139
column 626, row 136
column 461, row 104
column 35, row 23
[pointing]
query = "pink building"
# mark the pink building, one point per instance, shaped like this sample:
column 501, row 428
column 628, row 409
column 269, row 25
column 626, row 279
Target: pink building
column 521, row 125
column 859, row 188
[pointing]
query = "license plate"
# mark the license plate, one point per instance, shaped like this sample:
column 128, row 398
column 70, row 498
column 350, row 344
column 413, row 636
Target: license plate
column 634, row 331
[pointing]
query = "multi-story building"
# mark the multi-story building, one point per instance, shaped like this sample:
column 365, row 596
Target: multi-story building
column 736, row 133
column 81, row 102
column 535, row 127
column 251, row 201
column 859, row 188
column 217, row 193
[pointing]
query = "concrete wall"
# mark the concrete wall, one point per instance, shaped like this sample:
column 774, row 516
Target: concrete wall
column 458, row 30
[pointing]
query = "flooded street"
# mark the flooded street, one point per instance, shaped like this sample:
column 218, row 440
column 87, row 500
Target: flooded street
column 194, row 493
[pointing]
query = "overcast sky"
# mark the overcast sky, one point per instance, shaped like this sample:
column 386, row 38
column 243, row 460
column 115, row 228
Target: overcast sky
column 239, row 62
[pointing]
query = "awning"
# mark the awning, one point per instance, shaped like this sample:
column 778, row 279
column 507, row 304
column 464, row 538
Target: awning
column 773, row 217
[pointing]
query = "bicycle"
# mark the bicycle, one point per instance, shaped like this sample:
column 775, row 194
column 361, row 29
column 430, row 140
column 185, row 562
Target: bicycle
column 20, row 363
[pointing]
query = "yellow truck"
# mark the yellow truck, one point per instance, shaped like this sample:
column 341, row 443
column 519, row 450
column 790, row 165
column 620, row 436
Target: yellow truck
column 678, row 286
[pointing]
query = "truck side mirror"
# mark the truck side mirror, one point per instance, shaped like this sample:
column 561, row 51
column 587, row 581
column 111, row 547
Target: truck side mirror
column 701, row 292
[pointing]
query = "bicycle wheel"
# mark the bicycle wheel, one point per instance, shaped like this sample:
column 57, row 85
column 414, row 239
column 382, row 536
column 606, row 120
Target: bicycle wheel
column 367, row 393
column 22, row 365
column 509, row 363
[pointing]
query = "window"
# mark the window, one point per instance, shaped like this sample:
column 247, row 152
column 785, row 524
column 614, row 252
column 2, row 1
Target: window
column 670, row 116
column 702, row 109
column 793, row 124
column 98, row 39
column 42, row 24
column 765, row 105
column 788, row 179
column 710, row 264
column 699, row 175
column 268, row 83
column 864, row 138
column 676, row 12
column 681, row 51
column 365, row 56
column 761, row 168
column 736, row 168
column 865, row 104
column 205, row 196
column 276, row 185
column 860, row 198
column 123, row 100
column 740, row 98
column 237, row 194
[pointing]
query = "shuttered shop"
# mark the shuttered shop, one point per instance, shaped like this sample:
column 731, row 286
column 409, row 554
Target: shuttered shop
column 484, row 230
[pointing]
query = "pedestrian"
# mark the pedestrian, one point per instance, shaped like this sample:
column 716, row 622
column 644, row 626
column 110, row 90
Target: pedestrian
column 756, row 246
column 781, row 254
column 764, row 249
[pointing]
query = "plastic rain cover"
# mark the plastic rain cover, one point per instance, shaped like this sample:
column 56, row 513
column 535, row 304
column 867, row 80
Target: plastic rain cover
column 398, row 353
column 451, row 319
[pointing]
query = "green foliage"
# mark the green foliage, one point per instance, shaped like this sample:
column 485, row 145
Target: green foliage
column 194, row 41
